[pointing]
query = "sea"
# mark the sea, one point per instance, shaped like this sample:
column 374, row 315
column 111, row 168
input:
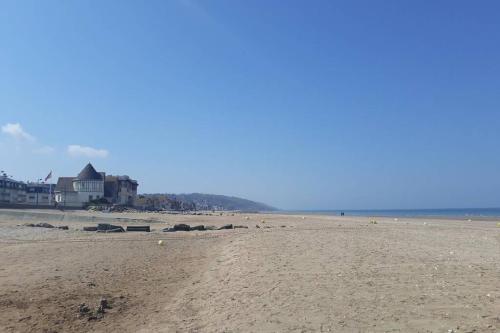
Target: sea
column 444, row 212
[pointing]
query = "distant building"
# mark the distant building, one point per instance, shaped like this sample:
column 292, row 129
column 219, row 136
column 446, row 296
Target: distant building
column 39, row 194
column 120, row 190
column 79, row 190
column 12, row 191
column 91, row 185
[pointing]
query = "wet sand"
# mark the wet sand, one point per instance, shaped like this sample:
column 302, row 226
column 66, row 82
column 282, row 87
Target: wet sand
column 292, row 274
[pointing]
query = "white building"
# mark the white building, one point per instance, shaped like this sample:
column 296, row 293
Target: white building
column 91, row 185
column 76, row 192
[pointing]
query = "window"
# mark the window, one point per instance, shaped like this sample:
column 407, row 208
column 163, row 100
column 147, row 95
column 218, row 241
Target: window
column 91, row 198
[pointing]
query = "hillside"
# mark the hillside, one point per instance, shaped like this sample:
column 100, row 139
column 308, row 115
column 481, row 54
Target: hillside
column 199, row 201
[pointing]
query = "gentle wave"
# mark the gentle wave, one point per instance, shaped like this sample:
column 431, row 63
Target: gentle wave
column 448, row 212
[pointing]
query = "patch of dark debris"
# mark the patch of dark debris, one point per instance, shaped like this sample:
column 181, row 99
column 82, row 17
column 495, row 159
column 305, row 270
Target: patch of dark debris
column 187, row 227
column 46, row 225
column 84, row 311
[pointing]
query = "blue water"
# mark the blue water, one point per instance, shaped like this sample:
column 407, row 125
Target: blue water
column 453, row 212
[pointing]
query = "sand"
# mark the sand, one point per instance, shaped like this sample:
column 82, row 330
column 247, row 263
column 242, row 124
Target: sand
column 318, row 274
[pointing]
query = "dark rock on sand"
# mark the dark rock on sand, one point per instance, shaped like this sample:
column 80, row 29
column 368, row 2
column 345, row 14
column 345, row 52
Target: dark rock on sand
column 39, row 225
column 111, row 230
column 226, row 226
column 145, row 228
column 83, row 309
column 182, row 227
column 178, row 227
column 240, row 227
column 44, row 225
column 103, row 305
column 198, row 227
column 106, row 227
column 186, row 227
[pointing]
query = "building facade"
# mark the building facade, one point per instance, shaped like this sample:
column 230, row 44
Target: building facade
column 91, row 185
column 12, row 191
column 121, row 190
column 39, row 194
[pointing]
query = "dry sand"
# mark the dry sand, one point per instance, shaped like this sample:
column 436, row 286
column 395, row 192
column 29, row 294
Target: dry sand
column 318, row 274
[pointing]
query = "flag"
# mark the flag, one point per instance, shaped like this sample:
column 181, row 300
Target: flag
column 49, row 176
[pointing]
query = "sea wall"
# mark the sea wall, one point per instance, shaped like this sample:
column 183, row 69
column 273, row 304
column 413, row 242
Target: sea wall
column 46, row 216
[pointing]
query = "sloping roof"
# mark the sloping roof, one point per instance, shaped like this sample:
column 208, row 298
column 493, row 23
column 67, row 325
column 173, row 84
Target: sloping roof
column 120, row 178
column 89, row 173
column 7, row 179
column 64, row 184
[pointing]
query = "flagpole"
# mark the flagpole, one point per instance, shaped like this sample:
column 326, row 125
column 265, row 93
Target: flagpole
column 49, row 176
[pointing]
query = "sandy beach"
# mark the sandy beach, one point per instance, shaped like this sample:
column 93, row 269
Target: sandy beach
column 291, row 274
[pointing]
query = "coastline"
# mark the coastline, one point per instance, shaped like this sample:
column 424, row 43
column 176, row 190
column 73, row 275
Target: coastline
column 481, row 214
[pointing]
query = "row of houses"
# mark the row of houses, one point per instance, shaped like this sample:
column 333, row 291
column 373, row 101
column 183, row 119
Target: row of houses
column 71, row 192
column 17, row 192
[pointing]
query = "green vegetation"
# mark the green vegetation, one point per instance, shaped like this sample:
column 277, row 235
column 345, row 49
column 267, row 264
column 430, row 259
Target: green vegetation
column 198, row 201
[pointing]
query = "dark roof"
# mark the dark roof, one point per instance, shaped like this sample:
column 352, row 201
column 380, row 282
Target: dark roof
column 89, row 173
column 64, row 184
column 111, row 178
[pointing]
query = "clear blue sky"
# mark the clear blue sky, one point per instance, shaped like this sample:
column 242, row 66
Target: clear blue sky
column 308, row 105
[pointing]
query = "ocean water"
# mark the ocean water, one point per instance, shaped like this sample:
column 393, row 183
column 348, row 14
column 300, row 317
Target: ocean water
column 446, row 212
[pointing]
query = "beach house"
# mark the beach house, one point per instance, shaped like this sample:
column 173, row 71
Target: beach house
column 90, row 185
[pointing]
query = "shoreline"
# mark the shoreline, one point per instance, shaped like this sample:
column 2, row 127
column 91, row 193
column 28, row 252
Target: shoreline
column 153, row 217
column 393, row 214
